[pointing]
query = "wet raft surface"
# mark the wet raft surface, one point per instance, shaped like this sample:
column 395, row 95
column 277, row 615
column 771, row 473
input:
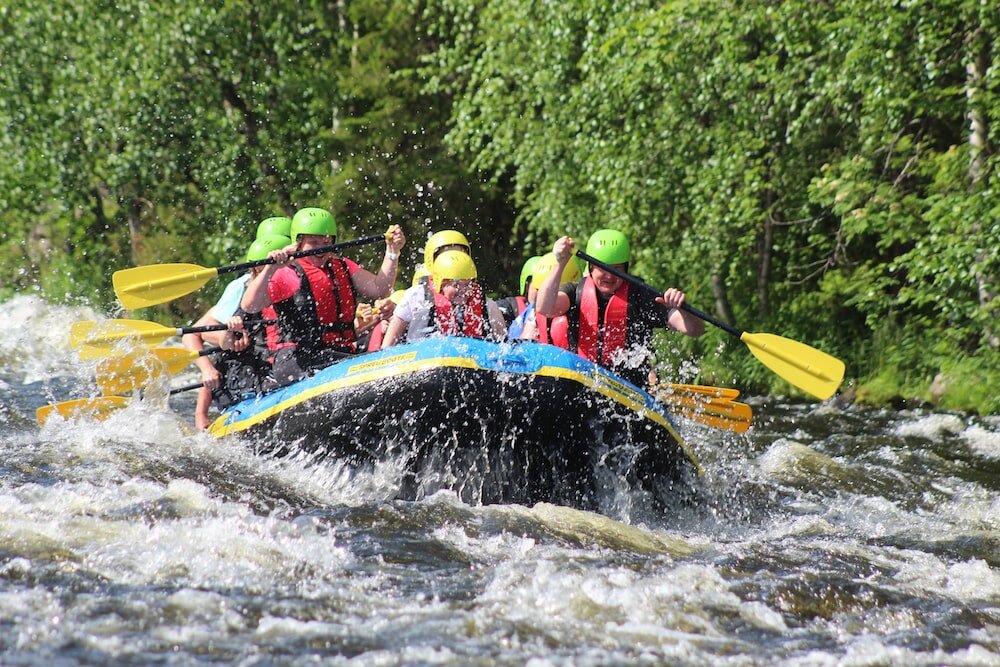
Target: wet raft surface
column 492, row 436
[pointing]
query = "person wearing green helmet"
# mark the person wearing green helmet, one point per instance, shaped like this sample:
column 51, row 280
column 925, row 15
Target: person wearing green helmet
column 239, row 367
column 313, row 300
column 608, row 324
column 512, row 306
column 275, row 226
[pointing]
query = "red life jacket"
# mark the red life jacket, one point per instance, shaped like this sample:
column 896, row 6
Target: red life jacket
column 599, row 339
column 553, row 330
column 522, row 303
column 375, row 340
column 473, row 323
column 321, row 312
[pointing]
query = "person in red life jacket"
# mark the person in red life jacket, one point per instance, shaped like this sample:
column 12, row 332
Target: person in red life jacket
column 609, row 324
column 512, row 306
column 313, row 299
column 453, row 305
column 550, row 330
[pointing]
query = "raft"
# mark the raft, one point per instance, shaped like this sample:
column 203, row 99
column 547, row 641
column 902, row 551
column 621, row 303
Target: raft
column 505, row 422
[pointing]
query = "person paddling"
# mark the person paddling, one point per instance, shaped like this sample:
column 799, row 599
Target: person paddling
column 608, row 323
column 313, row 298
column 240, row 367
column 454, row 306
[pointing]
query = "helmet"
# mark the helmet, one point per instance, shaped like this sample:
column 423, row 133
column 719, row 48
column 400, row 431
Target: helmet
column 397, row 296
column 260, row 248
column 419, row 274
column 609, row 246
column 527, row 271
column 313, row 221
column 452, row 265
column 277, row 226
column 545, row 266
column 440, row 239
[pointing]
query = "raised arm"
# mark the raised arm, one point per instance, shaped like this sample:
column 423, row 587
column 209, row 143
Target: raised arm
column 549, row 301
column 377, row 286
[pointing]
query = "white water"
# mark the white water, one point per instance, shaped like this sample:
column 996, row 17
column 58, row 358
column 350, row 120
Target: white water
column 831, row 537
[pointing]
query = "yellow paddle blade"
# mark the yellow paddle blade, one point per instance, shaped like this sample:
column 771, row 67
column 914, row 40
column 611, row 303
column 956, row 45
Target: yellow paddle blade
column 97, row 408
column 119, row 375
column 102, row 339
column 720, row 413
column 724, row 414
column 704, row 390
column 144, row 286
column 807, row 368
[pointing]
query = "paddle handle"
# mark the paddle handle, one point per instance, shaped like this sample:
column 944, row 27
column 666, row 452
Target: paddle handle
column 245, row 266
column 652, row 291
column 213, row 327
column 187, row 387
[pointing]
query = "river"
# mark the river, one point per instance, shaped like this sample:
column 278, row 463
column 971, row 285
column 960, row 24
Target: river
column 828, row 536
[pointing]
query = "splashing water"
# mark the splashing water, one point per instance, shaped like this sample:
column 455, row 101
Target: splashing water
column 827, row 536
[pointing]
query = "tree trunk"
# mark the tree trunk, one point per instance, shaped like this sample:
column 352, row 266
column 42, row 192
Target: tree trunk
column 135, row 229
column 722, row 308
column 764, row 267
column 978, row 152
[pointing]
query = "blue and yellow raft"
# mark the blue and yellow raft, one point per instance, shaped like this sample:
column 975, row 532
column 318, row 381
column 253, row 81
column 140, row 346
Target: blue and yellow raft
column 497, row 423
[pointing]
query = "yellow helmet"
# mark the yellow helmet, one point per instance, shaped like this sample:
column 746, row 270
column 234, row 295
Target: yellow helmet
column 452, row 265
column 441, row 239
column 397, row 296
column 544, row 266
column 419, row 273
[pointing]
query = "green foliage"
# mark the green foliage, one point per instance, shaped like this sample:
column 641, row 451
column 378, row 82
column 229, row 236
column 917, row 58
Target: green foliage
column 806, row 168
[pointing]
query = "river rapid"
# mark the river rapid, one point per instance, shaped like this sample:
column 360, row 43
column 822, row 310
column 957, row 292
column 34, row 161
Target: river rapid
column 828, row 536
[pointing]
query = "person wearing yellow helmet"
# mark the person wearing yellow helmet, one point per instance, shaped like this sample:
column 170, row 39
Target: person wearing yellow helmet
column 241, row 364
column 607, row 323
column 453, row 305
column 437, row 243
column 313, row 299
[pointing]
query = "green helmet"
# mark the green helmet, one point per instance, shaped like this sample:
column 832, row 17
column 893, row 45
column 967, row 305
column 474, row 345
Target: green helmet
column 609, row 246
column 316, row 221
column 260, row 248
column 276, row 226
column 527, row 272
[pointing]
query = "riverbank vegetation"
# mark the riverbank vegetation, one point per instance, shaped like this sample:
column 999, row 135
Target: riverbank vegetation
column 824, row 171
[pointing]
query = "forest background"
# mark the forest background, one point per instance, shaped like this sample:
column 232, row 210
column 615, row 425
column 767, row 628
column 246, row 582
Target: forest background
column 821, row 170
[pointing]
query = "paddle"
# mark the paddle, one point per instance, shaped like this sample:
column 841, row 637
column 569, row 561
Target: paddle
column 144, row 286
column 122, row 374
column 807, row 368
column 703, row 390
column 722, row 413
column 99, row 339
column 98, row 408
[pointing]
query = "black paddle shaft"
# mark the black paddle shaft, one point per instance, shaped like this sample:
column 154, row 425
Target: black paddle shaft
column 301, row 253
column 652, row 291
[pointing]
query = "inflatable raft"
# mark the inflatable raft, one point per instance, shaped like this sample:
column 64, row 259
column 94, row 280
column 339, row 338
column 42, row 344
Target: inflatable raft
column 497, row 423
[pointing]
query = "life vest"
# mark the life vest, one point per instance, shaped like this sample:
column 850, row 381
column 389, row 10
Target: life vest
column 473, row 321
column 376, row 336
column 522, row 303
column 553, row 330
column 600, row 339
column 243, row 372
column 321, row 312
